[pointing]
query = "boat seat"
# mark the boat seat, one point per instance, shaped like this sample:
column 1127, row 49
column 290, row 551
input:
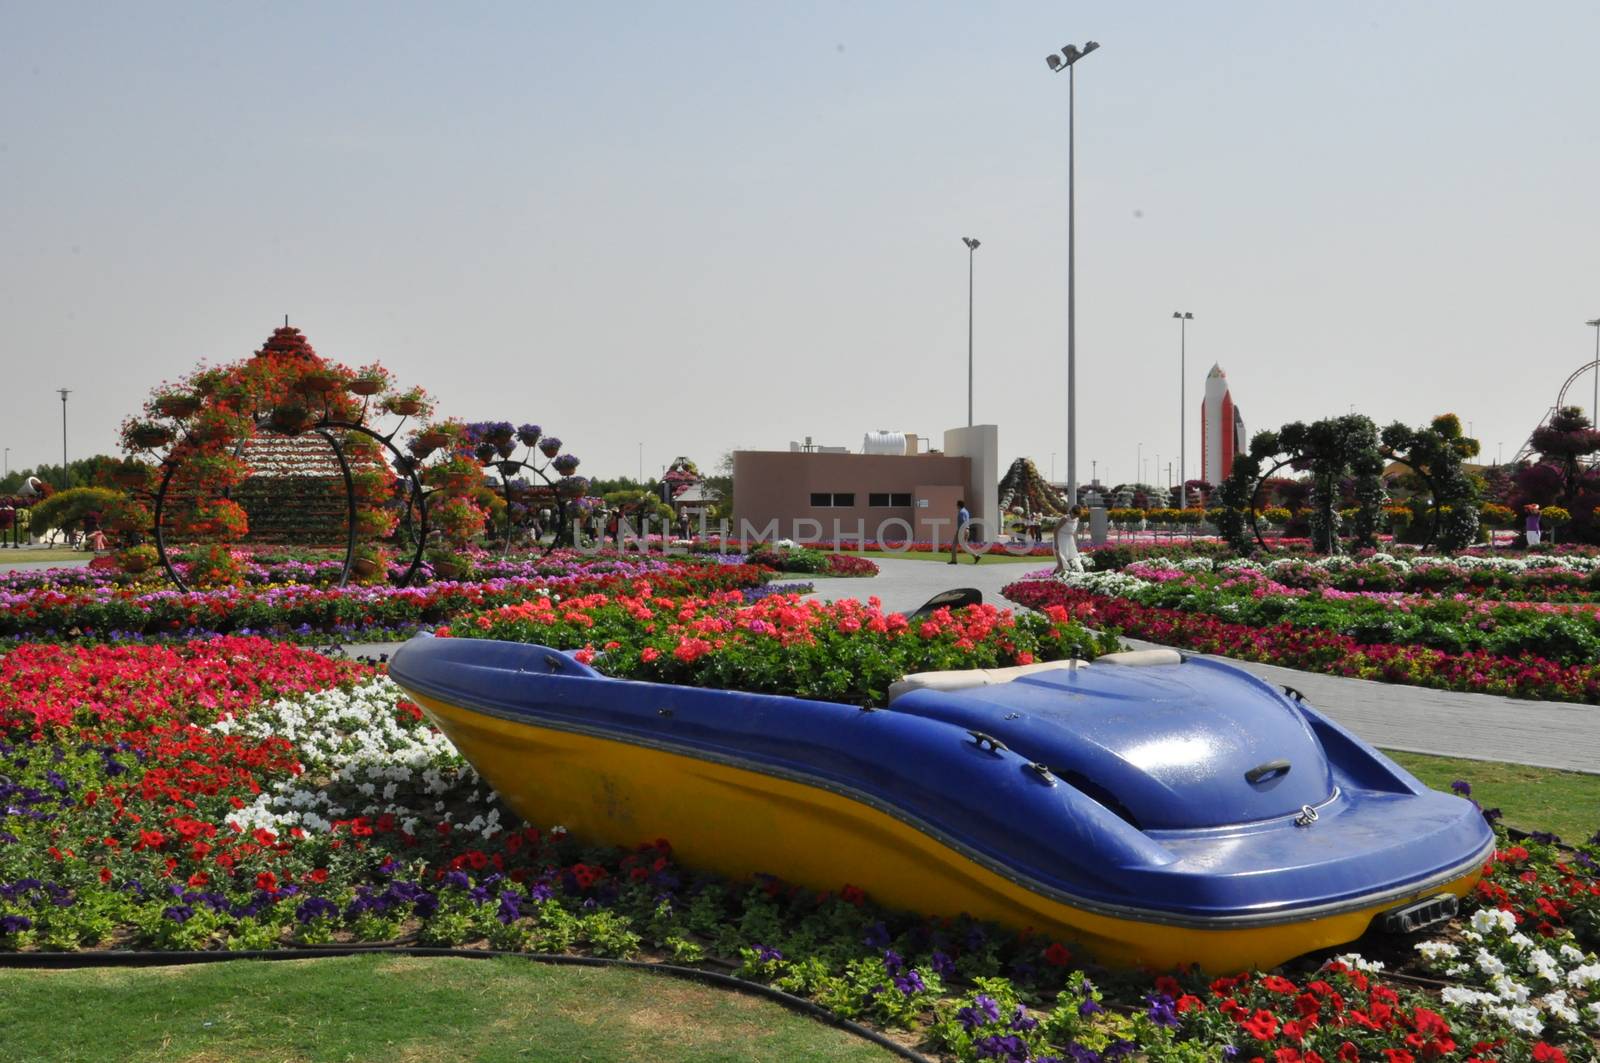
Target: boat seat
column 1141, row 658
column 965, row 679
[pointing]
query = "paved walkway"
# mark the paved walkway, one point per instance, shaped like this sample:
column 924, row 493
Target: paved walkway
column 34, row 566
column 905, row 584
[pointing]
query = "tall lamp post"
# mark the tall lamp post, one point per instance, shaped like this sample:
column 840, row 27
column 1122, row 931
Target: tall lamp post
column 1068, row 61
column 65, row 482
column 972, row 245
column 1594, row 411
column 1184, row 317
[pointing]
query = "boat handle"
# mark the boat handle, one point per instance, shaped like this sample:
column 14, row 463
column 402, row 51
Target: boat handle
column 1043, row 771
column 1293, row 693
column 1267, row 770
column 986, row 741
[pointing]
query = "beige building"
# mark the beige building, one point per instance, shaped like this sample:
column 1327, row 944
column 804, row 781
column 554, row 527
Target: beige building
column 826, row 495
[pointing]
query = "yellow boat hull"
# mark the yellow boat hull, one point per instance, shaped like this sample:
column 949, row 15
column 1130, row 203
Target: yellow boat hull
column 737, row 822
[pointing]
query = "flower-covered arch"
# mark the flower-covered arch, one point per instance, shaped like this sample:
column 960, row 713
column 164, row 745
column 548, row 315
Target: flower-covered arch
column 208, row 434
column 1351, row 446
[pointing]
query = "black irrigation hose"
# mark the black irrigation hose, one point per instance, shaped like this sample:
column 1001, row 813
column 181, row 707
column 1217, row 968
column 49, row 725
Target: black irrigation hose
column 131, row 958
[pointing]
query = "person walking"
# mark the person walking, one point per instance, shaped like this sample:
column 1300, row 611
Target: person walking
column 963, row 519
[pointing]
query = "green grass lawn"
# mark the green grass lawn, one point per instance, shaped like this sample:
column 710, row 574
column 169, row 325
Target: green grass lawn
column 43, row 553
column 400, row 1009
column 1566, row 803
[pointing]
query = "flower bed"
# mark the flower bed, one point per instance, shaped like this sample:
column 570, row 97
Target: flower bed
column 236, row 793
column 322, row 570
column 815, row 562
column 839, row 651
column 114, row 613
column 1563, row 578
column 1319, row 649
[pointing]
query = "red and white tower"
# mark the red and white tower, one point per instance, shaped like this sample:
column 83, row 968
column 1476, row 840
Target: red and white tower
column 1221, row 428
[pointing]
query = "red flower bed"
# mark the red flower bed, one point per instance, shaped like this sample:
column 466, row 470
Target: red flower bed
column 104, row 691
column 1317, row 650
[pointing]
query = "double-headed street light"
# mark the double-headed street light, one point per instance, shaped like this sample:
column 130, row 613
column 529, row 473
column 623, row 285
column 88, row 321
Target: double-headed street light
column 972, row 245
column 1067, row 60
column 1184, row 317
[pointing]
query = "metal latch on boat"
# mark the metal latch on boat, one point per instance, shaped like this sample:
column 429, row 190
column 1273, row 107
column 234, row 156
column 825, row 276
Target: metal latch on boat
column 1307, row 816
column 1419, row 915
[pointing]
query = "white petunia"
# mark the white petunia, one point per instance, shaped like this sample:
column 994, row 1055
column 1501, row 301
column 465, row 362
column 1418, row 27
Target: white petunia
column 1437, row 950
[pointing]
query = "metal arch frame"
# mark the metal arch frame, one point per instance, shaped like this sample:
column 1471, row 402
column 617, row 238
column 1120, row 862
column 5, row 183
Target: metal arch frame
column 509, row 467
column 417, row 497
column 1561, row 398
column 1255, row 496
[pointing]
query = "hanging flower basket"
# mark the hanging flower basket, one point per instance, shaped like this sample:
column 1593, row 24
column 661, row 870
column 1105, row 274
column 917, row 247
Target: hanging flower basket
column 290, row 420
column 508, row 469
column 364, row 566
column 550, row 446
column 432, row 439
column 318, row 382
column 365, row 385
column 447, row 569
column 149, row 436
column 404, row 406
column 177, row 405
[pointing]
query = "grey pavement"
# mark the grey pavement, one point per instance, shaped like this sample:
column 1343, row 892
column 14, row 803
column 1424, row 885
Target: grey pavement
column 904, row 584
column 34, row 566
column 1545, row 734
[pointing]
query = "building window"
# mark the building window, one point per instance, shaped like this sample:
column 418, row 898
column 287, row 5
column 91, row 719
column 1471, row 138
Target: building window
column 846, row 499
column 898, row 499
column 878, row 499
column 821, row 499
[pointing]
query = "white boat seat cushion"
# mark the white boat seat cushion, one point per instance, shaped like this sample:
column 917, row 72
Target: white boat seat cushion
column 973, row 677
column 1141, row 658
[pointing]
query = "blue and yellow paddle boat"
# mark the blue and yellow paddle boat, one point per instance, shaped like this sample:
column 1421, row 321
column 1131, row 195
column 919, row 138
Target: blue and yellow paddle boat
column 1154, row 809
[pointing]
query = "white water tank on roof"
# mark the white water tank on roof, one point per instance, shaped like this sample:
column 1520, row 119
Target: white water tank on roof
column 881, row 442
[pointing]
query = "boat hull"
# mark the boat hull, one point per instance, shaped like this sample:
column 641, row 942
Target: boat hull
column 736, row 819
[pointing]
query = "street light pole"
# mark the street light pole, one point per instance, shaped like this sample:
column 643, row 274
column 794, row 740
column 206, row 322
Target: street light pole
column 65, row 482
column 1068, row 61
column 972, row 245
column 1594, row 411
column 1184, row 317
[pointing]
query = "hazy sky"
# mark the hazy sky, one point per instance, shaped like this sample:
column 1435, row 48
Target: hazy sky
column 704, row 225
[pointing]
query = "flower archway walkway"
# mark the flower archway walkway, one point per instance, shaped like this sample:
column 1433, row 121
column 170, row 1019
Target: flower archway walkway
column 1545, row 734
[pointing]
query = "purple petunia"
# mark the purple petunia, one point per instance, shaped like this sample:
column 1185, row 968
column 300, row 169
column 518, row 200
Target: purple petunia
column 1461, row 787
column 984, row 1010
column 909, row 983
column 315, row 907
column 767, row 954
column 1161, row 1012
column 14, row 924
column 510, row 908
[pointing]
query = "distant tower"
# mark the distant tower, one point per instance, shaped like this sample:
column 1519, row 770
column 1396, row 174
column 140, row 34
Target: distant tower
column 1221, row 428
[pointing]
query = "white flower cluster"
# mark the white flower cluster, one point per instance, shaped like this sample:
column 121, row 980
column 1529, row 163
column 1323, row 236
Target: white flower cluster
column 1113, row 584
column 1518, row 980
column 361, row 759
